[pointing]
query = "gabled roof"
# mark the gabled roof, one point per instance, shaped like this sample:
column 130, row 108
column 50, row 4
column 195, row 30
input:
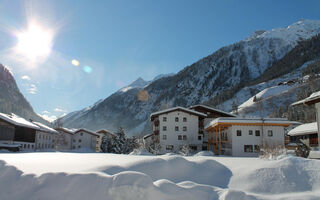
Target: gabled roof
column 105, row 131
column 304, row 129
column 18, row 121
column 45, row 128
column 248, row 121
column 66, row 130
column 85, row 130
column 178, row 108
column 210, row 109
column 312, row 99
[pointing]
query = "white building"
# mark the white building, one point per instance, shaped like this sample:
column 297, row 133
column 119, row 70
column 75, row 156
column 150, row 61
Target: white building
column 76, row 139
column 244, row 137
column 212, row 114
column 313, row 99
column 45, row 137
column 175, row 127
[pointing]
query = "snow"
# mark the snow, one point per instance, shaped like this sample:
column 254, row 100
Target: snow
column 304, row 129
column 109, row 176
column 18, row 121
column 45, row 128
column 178, row 108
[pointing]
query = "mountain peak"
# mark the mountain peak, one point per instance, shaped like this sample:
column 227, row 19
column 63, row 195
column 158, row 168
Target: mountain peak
column 140, row 82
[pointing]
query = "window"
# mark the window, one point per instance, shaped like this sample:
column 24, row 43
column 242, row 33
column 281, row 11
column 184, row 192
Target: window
column 248, row 148
column 256, row 148
column 199, row 137
column 250, row 132
column 169, row 147
column 164, row 128
column 177, row 119
column 39, row 146
column 164, row 119
column 184, row 119
column 257, row 133
column 79, row 140
column 184, row 128
column 193, row 148
column 81, row 134
column 74, row 140
column 270, row 133
column 28, row 146
column 176, row 128
column 98, row 136
column 32, row 146
column 39, row 136
column 238, row 132
column 184, row 137
column 73, row 147
column 79, row 146
column 179, row 137
column 164, row 137
column 24, row 146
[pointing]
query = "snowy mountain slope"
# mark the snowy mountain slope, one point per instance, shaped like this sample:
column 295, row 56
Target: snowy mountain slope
column 11, row 99
column 237, row 63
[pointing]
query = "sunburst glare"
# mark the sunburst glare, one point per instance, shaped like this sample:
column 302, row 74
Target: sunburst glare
column 35, row 42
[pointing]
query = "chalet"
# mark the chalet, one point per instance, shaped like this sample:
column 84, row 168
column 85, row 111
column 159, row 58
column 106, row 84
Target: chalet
column 307, row 132
column 313, row 99
column 45, row 137
column 16, row 130
column 212, row 114
column 245, row 136
column 176, row 127
column 103, row 133
column 76, row 139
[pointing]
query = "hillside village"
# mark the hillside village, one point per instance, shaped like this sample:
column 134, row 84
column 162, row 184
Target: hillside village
column 178, row 129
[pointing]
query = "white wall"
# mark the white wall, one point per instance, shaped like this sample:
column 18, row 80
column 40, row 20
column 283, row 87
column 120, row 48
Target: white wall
column 83, row 139
column 317, row 105
column 44, row 140
column 63, row 141
column 172, row 135
column 238, row 142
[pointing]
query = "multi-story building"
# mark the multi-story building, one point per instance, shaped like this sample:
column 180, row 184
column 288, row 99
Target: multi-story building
column 76, row 139
column 176, row 127
column 245, row 136
column 45, row 137
column 212, row 114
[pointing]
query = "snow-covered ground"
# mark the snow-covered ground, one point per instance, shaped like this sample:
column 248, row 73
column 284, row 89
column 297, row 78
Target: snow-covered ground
column 109, row 176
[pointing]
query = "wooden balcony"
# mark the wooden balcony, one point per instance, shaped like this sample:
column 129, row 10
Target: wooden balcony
column 156, row 122
column 156, row 132
column 313, row 141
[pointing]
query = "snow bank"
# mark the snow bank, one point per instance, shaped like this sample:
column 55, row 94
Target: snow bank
column 141, row 152
column 177, row 169
column 204, row 153
column 124, row 185
column 290, row 174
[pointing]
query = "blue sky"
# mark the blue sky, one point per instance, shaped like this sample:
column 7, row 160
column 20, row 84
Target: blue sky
column 123, row 40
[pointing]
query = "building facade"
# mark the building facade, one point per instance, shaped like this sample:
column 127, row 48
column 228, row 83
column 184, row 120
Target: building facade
column 177, row 127
column 103, row 133
column 245, row 137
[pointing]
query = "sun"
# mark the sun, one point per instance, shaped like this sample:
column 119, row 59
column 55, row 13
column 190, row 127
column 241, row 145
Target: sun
column 35, row 42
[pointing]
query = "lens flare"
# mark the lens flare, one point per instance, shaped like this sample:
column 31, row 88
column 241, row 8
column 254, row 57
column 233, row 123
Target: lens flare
column 143, row 95
column 35, row 42
column 75, row 62
column 87, row 69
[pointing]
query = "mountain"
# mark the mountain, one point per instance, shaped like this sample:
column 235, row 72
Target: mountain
column 11, row 99
column 233, row 65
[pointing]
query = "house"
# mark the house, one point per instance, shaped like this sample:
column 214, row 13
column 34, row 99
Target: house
column 64, row 139
column 212, row 114
column 307, row 132
column 15, row 130
column 176, row 127
column 45, row 137
column 103, row 133
column 245, row 136
column 84, row 139
column 313, row 99
column 75, row 139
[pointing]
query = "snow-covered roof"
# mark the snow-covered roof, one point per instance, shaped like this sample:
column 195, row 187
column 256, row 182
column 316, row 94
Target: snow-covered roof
column 212, row 109
column 45, row 128
column 304, row 129
column 105, row 131
column 238, row 120
column 313, row 98
column 178, row 108
column 18, row 121
column 87, row 131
